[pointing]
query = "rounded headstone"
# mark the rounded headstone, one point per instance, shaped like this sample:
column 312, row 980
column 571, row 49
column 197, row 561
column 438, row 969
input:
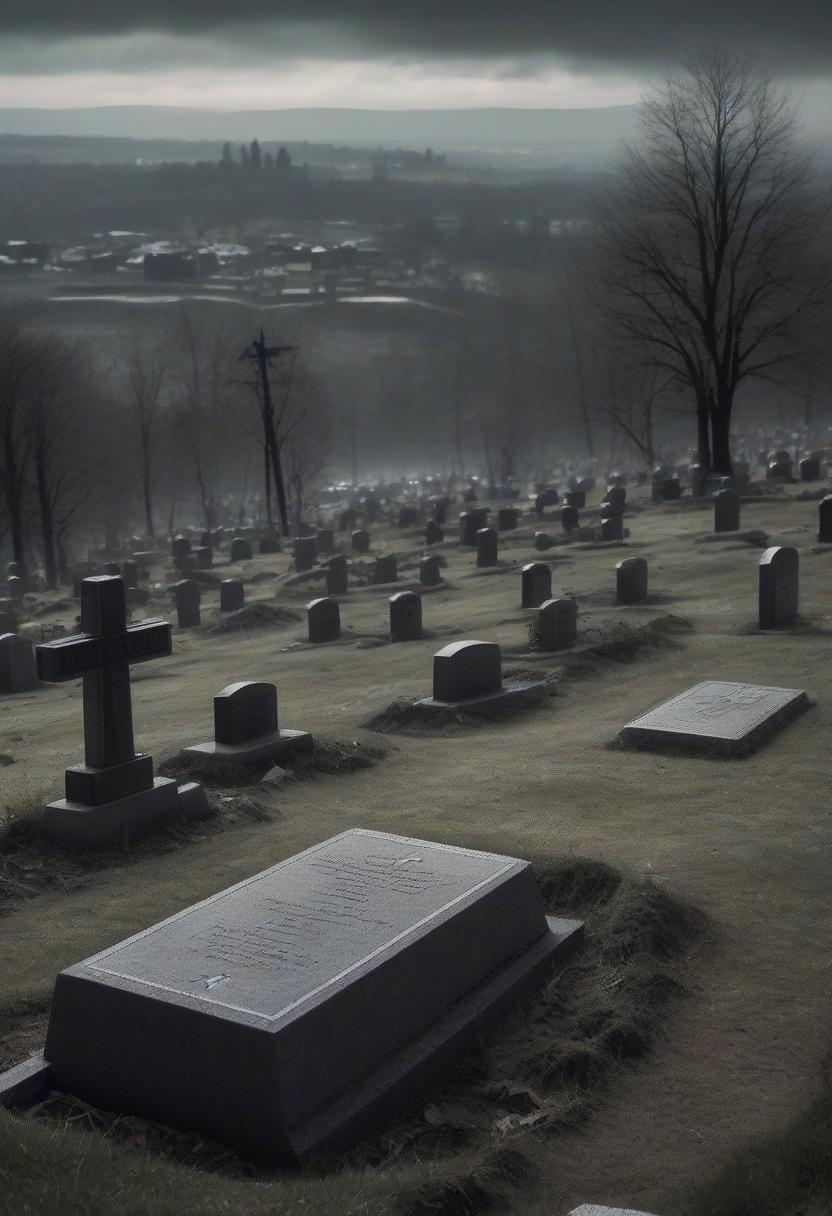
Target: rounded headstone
column 241, row 550
column 631, row 580
column 323, row 617
column 360, row 541
column 536, row 584
column 430, row 572
column 487, row 547
column 232, row 595
column 727, row 505
column 405, row 617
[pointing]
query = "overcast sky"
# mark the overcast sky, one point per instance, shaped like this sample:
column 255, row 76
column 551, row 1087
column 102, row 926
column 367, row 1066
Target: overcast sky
column 381, row 53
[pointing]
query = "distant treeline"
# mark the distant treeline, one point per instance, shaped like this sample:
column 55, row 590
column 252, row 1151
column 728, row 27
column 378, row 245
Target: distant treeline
column 53, row 202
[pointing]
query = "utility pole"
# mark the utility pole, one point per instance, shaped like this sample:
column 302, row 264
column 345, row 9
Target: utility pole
column 262, row 355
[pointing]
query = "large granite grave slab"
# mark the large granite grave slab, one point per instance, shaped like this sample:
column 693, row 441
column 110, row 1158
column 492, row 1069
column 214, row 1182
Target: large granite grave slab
column 594, row 1209
column 293, row 1010
column 717, row 717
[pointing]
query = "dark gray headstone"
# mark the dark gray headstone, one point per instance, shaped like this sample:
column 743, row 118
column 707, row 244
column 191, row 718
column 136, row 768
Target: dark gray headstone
column 206, row 540
column 245, row 711
column 323, row 619
column 433, row 533
column 360, row 541
column 780, row 469
column 326, row 540
column 241, row 550
column 576, row 499
column 430, row 572
column 608, row 509
column 113, row 568
column 631, row 580
column 204, row 555
column 543, row 540
column 569, row 518
column 672, row 489
column 466, row 670
column 187, row 595
column 408, row 516
column 616, row 495
column 232, row 595
column 556, row 624
column 536, row 579
column 718, row 717
column 17, row 663
column 405, row 617
column 337, row 575
column 779, row 587
column 15, row 587
column 292, row 1011
column 386, row 569
column 186, row 562
column 487, row 547
column 727, row 506
column 305, row 552
column 180, row 546
column 507, row 519
column 825, row 520
column 470, row 523
column 131, row 573
column 269, row 543
column 810, row 468
column 612, row 527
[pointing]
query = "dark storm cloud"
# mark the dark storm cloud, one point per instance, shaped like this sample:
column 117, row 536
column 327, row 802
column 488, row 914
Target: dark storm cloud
column 795, row 35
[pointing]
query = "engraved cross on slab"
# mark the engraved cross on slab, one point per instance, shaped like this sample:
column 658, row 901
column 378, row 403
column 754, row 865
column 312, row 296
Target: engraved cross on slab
column 102, row 654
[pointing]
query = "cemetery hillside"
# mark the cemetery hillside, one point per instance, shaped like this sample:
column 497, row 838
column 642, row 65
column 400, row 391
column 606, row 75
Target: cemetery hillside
column 415, row 566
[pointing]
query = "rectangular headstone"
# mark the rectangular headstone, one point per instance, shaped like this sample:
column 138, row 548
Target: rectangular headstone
column 717, row 717
column 289, row 1012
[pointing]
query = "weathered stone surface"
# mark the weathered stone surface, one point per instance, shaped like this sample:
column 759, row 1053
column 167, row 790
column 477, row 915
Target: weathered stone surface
column 779, row 587
column 232, row 595
column 825, row 520
column 430, row 572
column 487, row 547
column 323, row 618
column 310, row 978
column 727, row 507
column 467, row 669
column 241, row 550
column 507, row 519
column 26, row 1083
column 536, row 582
column 305, row 552
column 406, row 617
column 543, row 540
column 386, row 569
column 17, row 664
column 187, row 595
column 594, row 1209
column 360, row 541
column 717, row 717
column 246, row 729
column 557, row 624
column 337, row 575
column 204, row 555
column 631, row 580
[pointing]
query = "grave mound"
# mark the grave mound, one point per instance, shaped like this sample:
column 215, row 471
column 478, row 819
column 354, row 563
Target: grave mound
column 255, row 616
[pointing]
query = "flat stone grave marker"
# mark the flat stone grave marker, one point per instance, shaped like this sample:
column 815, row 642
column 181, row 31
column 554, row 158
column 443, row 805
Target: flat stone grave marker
column 386, row 569
column 595, row 1209
column 430, row 572
column 291, row 1012
column 17, row 664
column 433, row 533
column 241, row 550
column 337, row 575
column 305, row 552
column 631, row 580
column 717, row 717
column 727, row 506
column 405, row 617
column 246, row 728
column 556, row 624
column 487, row 547
column 360, row 541
column 232, row 595
column 113, row 795
column 187, row 595
column 825, row 520
column 468, row 674
column 536, row 583
column 323, row 617
column 779, row 581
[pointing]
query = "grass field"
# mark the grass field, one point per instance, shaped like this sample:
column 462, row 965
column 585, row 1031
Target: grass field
column 649, row 1071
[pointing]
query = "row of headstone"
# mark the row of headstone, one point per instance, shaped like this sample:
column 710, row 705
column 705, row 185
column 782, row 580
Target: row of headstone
column 323, row 618
column 188, row 595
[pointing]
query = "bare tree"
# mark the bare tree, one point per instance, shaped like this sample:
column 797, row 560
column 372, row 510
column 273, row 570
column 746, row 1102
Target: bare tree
column 20, row 353
column 146, row 375
column 714, row 240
